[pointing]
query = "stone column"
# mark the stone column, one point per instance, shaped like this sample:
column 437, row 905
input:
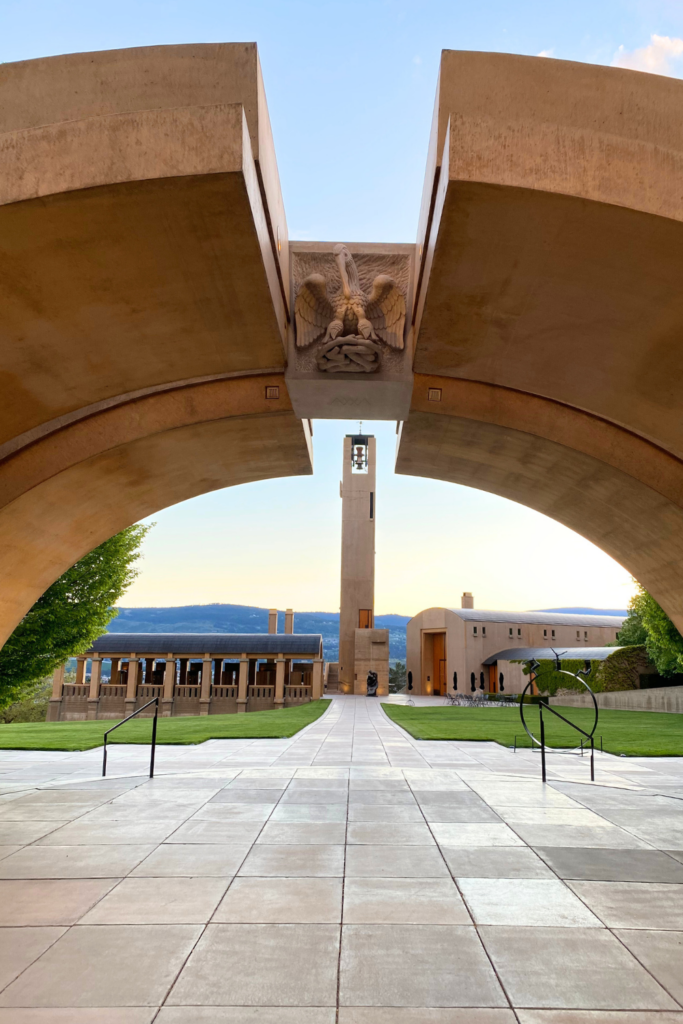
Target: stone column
column 169, row 687
column 94, row 695
column 132, row 689
column 115, row 678
column 243, row 684
column 149, row 671
column 205, row 693
column 55, row 705
column 317, row 681
column 279, row 681
column 272, row 620
column 80, row 670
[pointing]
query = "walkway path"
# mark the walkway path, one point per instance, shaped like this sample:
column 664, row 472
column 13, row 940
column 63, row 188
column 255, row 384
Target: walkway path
column 346, row 876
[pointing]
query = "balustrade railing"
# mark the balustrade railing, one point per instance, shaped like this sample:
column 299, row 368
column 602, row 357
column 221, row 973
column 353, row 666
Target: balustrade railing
column 297, row 693
column 261, row 692
column 153, row 690
column 110, row 690
column 72, row 690
column 188, row 691
column 223, row 692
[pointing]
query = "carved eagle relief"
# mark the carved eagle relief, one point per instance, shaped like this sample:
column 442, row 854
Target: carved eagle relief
column 349, row 322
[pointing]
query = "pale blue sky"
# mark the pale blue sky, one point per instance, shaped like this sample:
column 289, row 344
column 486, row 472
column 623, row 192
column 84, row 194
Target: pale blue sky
column 350, row 90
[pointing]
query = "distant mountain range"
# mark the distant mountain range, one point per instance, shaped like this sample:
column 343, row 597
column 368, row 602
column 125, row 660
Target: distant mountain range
column 241, row 618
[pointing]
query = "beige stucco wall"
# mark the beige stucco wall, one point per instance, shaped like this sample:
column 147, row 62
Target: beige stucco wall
column 466, row 652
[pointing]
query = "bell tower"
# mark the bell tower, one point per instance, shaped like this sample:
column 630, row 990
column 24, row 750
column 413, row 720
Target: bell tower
column 357, row 606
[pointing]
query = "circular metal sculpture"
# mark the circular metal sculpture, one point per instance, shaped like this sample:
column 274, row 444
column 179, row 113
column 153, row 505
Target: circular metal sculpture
column 544, row 704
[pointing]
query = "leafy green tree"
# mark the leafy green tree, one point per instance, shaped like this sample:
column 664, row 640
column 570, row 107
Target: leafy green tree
column 397, row 677
column 663, row 642
column 71, row 614
column 632, row 632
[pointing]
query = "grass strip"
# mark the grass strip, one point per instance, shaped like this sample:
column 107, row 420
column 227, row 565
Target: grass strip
column 181, row 730
column 638, row 733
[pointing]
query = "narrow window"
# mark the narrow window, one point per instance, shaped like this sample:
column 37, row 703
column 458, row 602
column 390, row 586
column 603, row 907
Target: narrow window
column 475, row 630
column 365, row 618
column 483, row 630
column 552, row 633
column 372, row 504
column 578, row 635
column 519, row 632
column 545, row 632
column 585, row 634
column 510, row 630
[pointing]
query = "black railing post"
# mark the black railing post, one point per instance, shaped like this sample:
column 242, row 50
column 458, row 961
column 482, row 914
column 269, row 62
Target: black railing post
column 155, row 701
column 540, row 711
column 592, row 760
column 154, row 738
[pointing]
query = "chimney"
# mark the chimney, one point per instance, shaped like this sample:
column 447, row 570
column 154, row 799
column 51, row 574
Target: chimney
column 467, row 601
column 289, row 621
column 272, row 620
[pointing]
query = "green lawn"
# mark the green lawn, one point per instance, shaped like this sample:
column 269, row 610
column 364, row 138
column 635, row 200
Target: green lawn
column 85, row 735
column 642, row 733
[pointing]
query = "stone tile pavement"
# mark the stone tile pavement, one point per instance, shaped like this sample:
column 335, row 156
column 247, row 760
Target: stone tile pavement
column 346, row 876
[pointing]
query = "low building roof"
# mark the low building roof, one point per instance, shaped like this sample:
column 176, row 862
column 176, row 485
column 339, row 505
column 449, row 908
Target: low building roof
column 550, row 653
column 160, row 644
column 538, row 618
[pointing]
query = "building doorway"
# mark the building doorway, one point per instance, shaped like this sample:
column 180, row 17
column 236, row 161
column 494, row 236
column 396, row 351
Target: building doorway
column 440, row 677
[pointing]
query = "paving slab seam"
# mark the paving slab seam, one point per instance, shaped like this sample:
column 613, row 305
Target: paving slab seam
column 227, row 889
column 465, row 903
column 341, row 918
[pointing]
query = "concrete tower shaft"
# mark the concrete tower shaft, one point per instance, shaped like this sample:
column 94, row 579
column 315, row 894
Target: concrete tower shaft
column 357, row 606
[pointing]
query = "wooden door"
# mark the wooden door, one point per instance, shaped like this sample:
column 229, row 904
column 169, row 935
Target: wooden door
column 440, row 682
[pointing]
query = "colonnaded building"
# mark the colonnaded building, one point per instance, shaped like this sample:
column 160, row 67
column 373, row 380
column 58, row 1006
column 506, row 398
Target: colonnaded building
column 471, row 650
column 192, row 673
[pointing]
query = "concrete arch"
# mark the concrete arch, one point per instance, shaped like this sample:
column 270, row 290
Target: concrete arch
column 549, row 311
column 614, row 488
column 143, row 261
column 146, row 293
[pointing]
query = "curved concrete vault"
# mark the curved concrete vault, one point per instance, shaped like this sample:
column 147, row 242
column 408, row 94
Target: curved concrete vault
column 146, row 292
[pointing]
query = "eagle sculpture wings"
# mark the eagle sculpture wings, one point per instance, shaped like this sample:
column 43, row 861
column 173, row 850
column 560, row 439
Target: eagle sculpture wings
column 350, row 318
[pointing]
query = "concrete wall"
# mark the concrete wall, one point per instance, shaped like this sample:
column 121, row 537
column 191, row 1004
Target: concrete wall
column 657, row 698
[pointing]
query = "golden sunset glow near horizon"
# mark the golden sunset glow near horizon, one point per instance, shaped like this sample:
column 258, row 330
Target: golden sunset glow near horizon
column 277, row 543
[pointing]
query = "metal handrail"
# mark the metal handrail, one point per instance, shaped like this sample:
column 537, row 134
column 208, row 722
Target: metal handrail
column 154, row 700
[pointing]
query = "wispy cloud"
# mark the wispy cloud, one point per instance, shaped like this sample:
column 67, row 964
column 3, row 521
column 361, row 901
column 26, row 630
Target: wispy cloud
column 659, row 58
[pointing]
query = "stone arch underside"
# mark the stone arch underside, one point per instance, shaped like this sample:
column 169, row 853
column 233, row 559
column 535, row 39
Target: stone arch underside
column 145, row 289
column 614, row 488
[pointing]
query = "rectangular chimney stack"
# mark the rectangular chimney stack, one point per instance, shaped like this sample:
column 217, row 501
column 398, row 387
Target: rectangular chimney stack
column 272, row 620
column 467, row 600
column 289, row 621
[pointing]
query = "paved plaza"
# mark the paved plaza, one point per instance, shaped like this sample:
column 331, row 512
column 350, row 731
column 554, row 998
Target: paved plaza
column 349, row 874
